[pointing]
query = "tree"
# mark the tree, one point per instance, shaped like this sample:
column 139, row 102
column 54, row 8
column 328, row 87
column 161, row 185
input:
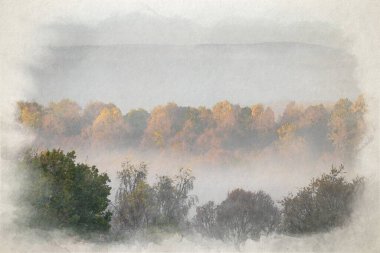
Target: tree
column 109, row 127
column 205, row 220
column 246, row 215
column 62, row 118
column 197, row 120
column 313, row 127
column 92, row 110
column 263, row 124
column 30, row 114
column 347, row 126
column 291, row 113
column 325, row 203
column 65, row 194
column 164, row 123
column 139, row 206
column 133, row 198
column 225, row 114
column 172, row 199
column 263, row 119
column 137, row 121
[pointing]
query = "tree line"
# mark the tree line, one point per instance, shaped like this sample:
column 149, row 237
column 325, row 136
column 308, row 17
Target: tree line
column 225, row 130
column 61, row 193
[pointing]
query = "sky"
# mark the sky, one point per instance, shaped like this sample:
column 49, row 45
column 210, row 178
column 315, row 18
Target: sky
column 144, row 58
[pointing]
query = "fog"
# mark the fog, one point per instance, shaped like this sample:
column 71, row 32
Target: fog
column 214, row 181
column 20, row 48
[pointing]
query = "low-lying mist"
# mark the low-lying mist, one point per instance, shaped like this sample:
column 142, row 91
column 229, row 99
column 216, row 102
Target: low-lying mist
column 214, row 181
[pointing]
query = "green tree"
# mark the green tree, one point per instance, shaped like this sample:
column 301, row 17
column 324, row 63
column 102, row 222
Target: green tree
column 64, row 194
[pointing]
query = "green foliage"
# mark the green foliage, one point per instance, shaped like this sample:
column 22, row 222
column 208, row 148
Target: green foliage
column 326, row 203
column 65, row 194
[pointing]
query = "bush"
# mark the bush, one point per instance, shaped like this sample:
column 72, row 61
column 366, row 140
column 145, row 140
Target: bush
column 243, row 215
column 247, row 215
column 326, row 203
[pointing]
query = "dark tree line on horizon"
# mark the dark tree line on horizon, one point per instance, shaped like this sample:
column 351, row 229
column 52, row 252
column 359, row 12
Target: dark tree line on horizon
column 225, row 130
column 60, row 193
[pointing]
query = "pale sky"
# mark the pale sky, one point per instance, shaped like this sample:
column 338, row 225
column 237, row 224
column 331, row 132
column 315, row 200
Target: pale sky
column 143, row 59
column 298, row 50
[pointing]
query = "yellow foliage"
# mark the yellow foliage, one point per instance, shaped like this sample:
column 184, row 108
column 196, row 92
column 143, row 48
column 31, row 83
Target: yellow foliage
column 286, row 131
column 224, row 114
column 257, row 110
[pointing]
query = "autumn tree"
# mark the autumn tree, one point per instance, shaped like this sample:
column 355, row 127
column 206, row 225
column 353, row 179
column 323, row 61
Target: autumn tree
column 313, row 127
column 225, row 115
column 164, row 123
column 263, row 125
column 62, row 118
column 227, row 132
column 109, row 127
column 136, row 121
column 92, row 110
column 291, row 145
column 223, row 133
column 347, row 126
column 292, row 113
column 198, row 120
column 30, row 114
column 262, row 118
